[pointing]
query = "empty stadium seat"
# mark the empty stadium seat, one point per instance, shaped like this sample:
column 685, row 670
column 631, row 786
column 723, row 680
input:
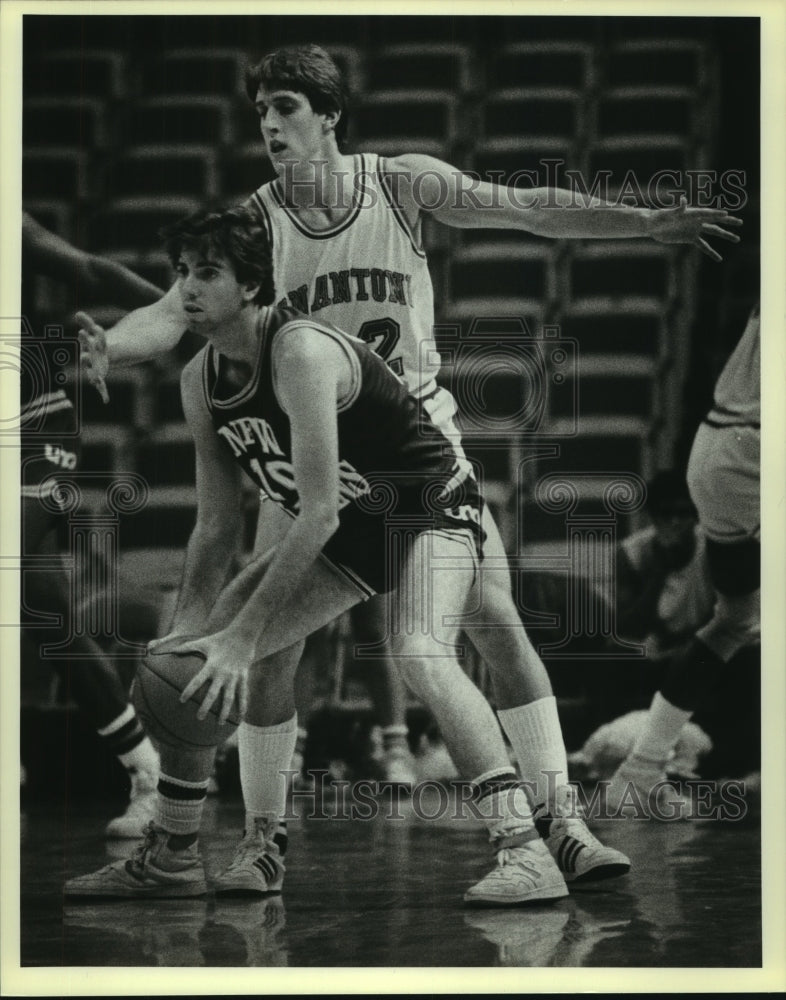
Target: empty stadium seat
column 134, row 223
column 533, row 112
column 55, row 172
column 167, row 457
column 663, row 62
column 166, row 522
column 621, row 268
column 168, row 120
column 542, row 64
column 650, row 165
column 76, row 73
column 394, row 116
column 485, row 270
column 522, row 162
column 64, row 121
column 609, row 385
column 196, row 71
column 647, row 110
column 164, row 170
column 244, row 170
column 619, row 327
column 422, row 66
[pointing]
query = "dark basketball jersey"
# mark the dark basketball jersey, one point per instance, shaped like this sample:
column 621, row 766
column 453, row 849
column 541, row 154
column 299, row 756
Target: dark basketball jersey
column 399, row 475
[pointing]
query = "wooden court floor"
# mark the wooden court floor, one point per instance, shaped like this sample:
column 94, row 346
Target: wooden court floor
column 388, row 892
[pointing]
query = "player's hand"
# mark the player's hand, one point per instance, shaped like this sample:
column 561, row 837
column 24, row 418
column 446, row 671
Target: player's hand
column 95, row 358
column 693, row 225
column 227, row 659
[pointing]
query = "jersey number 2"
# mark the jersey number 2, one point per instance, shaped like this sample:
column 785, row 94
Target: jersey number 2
column 382, row 335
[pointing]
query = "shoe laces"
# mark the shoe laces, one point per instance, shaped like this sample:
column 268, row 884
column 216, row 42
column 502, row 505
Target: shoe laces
column 140, row 855
column 252, row 845
column 516, row 856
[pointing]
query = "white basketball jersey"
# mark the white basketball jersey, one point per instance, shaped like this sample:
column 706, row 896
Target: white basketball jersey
column 738, row 390
column 366, row 275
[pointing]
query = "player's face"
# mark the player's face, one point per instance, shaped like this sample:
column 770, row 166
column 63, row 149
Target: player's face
column 292, row 130
column 209, row 290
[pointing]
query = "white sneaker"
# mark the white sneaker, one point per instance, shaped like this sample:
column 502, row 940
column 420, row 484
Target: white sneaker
column 154, row 871
column 580, row 856
column 526, row 874
column 256, row 868
column 641, row 789
column 141, row 808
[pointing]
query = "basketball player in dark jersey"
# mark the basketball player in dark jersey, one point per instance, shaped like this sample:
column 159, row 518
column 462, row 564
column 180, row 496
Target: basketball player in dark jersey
column 49, row 439
column 318, row 212
column 380, row 503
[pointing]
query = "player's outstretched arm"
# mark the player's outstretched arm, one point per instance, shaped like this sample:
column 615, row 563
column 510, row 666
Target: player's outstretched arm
column 141, row 335
column 425, row 184
column 52, row 255
column 307, row 373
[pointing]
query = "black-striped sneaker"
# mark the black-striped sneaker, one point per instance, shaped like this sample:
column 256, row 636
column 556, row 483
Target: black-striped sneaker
column 580, row 856
column 257, row 867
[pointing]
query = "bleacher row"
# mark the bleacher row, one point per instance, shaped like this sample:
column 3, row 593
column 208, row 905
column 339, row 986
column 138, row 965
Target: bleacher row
column 116, row 144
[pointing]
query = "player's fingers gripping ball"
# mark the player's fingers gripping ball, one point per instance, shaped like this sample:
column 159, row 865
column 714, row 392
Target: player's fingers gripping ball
column 160, row 679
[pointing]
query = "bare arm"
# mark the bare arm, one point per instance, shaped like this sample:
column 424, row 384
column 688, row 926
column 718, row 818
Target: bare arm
column 215, row 540
column 425, row 184
column 53, row 256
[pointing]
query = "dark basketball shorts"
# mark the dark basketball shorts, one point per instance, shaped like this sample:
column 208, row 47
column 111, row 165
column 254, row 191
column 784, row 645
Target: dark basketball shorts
column 377, row 531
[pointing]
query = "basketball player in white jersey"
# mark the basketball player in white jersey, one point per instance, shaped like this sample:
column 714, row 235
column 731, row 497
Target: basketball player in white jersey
column 346, row 242
column 336, row 440
column 723, row 478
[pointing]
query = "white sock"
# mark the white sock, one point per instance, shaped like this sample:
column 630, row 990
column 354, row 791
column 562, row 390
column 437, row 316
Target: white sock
column 142, row 759
column 180, row 804
column 535, row 734
column 662, row 729
column 504, row 807
column 265, row 751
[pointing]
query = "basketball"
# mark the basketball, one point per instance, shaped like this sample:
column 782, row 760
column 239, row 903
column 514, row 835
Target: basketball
column 161, row 677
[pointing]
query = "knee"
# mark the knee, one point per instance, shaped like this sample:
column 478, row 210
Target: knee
column 429, row 672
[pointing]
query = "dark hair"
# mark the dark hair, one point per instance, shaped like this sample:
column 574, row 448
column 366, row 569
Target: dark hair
column 235, row 234
column 668, row 490
column 308, row 70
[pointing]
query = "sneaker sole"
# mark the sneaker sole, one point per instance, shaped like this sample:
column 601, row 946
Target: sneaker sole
column 545, row 895
column 158, row 892
column 241, row 892
column 598, row 873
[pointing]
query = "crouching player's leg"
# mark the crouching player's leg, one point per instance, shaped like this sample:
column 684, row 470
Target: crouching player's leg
column 167, row 864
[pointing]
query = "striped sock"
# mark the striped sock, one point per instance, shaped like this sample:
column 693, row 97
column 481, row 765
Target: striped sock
column 502, row 801
column 123, row 734
column 180, row 805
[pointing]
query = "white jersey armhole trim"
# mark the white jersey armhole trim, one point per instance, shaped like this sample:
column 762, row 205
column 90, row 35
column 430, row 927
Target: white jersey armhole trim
column 356, row 377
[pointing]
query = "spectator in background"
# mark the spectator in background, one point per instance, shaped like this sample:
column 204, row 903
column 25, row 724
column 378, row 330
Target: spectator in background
column 664, row 590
